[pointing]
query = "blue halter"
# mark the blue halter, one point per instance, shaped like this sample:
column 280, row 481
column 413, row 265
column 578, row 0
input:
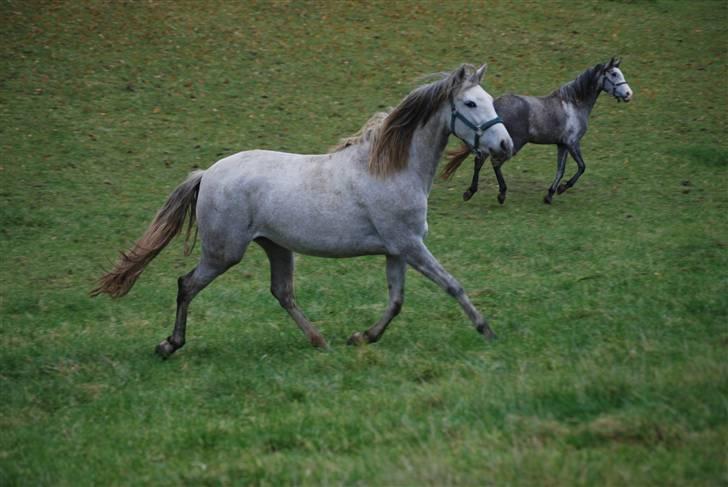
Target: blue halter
column 478, row 129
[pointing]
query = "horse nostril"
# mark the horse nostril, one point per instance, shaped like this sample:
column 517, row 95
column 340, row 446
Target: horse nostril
column 507, row 147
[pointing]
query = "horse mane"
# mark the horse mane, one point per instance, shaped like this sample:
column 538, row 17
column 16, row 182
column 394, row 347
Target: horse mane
column 365, row 134
column 583, row 87
column 390, row 132
column 390, row 149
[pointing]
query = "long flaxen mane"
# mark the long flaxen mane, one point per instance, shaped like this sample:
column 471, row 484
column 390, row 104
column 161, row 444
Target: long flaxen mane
column 365, row 134
column 391, row 133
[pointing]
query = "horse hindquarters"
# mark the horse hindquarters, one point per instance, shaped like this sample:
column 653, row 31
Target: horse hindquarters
column 223, row 244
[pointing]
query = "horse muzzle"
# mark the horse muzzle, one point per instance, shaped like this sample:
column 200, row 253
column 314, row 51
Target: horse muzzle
column 504, row 151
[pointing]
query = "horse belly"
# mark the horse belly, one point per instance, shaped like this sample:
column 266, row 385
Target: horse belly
column 322, row 232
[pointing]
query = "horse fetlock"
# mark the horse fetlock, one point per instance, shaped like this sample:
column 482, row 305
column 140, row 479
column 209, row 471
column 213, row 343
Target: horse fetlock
column 318, row 341
column 167, row 347
column 563, row 187
column 485, row 330
column 358, row 338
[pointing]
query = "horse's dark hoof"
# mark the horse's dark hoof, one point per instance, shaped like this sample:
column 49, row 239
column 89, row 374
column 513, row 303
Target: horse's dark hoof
column 319, row 342
column 547, row 199
column 501, row 198
column 165, row 349
column 357, row 339
column 562, row 187
column 487, row 333
column 467, row 195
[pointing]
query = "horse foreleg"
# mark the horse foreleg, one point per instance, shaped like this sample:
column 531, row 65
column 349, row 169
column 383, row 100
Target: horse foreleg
column 560, row 166
column 478, row 165
column 424, row 262
column 281, row 286
column 502, row 188
column 396, row 270
column 575, row 152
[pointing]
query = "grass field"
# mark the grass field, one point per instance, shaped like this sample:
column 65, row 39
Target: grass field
column 611, row 305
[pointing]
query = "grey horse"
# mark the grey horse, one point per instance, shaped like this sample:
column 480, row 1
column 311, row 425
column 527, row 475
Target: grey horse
column 560, row 118
column 368, row 196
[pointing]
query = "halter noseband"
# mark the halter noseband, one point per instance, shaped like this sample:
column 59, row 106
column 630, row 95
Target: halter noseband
column 478, row 129
column 613, row 91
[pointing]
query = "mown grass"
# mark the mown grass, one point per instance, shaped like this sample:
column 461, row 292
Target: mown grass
column 611, row 304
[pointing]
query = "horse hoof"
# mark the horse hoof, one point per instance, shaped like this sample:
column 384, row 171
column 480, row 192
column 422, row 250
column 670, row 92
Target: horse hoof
column 357, row 339
column 319, row 342
column 547, row 199
column 467, row 195
column 501, row 198
column 487, row 333
column 562, row 187
column 165, row 349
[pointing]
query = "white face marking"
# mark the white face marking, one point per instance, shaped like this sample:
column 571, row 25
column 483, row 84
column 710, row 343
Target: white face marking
column 477, row 106
column 615, row 77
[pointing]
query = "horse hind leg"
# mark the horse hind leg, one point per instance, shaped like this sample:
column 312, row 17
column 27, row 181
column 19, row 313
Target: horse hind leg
column 396, row 270
column 281, row 286
column 188, row 286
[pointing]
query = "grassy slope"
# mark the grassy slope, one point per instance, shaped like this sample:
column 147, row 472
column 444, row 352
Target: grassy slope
column 610, row 305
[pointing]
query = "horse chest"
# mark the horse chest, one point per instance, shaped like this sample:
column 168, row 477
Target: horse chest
column 574, row 123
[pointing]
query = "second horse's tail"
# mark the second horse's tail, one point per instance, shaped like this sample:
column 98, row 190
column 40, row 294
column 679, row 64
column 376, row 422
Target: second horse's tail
column 170, row 220
column 455, row 158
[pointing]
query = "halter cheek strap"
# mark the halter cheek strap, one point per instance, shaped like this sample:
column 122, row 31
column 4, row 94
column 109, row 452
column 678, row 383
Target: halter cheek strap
column 613, row 91
column 478, row 129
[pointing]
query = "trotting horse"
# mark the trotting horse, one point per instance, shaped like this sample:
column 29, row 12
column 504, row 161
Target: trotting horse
column 560, row 118
column 368, row 196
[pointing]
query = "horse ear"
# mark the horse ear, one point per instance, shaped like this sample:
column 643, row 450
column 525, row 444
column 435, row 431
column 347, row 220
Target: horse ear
column 460, row 73
column 478, row 76
column 617, row 62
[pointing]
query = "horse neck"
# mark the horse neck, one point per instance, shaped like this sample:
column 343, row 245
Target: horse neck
column 588, row 95
column 428, row 144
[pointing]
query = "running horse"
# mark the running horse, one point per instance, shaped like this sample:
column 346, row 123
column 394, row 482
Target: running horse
column 367, row 196
column 560, row 118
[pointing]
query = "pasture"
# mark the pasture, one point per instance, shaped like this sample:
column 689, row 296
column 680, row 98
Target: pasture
column 610, row 304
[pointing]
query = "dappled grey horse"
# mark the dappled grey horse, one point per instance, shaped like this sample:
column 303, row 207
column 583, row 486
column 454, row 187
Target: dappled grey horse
column 368, row 196
column 560, row 118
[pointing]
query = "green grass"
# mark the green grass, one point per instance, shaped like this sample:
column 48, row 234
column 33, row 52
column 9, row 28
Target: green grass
column 611, row 305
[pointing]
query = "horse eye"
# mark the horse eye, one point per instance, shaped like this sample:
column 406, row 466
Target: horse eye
column 470, row 104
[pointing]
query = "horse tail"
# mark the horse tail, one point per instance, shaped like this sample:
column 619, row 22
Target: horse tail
column 168, row 222
column 455, row 158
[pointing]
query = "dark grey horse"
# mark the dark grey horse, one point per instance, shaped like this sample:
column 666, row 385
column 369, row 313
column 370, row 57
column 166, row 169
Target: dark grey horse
column 560, row 118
